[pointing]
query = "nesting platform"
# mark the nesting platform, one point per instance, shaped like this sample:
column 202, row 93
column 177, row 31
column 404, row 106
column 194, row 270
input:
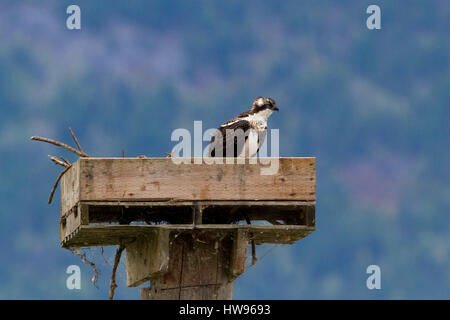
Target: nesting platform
column 106, row 201
column 149, row 204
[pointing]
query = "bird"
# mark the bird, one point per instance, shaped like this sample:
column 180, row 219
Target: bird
column 244, row 133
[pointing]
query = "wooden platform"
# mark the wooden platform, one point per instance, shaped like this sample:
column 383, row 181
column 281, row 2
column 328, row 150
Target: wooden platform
column 106, row 201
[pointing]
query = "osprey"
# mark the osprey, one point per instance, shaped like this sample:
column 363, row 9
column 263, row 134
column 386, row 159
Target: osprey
column 243, row 135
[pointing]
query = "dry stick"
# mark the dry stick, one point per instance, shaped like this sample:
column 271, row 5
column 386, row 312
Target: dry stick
column 101, row 252
column 113, row 285
column 60, row 144
column 264, row 254
column 254, row 258
column 65, row 160
column 75, row 139
column 57, row 161
column 56, row 184
column 83, row 258
column 66, row 163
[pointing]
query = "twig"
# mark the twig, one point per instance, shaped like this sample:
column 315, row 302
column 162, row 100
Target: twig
column 83, row 258
column 65, row 163
column 102, row 253
column 57, row 161
column 60, row 144
column 75, row 139
column 254, row 258
column 113, row 285
column 56, row 184
column 65, row 160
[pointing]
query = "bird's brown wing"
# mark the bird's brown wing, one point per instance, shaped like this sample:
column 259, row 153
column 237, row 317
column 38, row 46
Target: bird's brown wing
column 231, row 134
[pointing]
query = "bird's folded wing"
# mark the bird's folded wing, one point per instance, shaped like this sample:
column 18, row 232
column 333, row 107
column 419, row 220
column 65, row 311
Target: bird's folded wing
column 229, row 133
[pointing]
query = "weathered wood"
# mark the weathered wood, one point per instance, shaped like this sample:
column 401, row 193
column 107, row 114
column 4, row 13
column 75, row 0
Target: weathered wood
column 78, row 216
column 239, row 253
column 198, row 269
column 147, row 257
column 197, row 214
column 118, row 179
column 96, row 235
column 204, row 203
column 70, row 188
column 310, row 216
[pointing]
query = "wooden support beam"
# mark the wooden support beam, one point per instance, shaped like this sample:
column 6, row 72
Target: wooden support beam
column 109, row 235
column 197, row 214
column 310, row 216
column 147, row 256
column 199, row 269
column 239, row 253
column 73, row 220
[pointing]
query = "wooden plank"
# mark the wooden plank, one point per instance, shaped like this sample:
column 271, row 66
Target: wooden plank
column 72, row 220
column 239, row 253
column 100, row 235
column 311, row 216
column 117, row 179
column 147, row 257
column 197, row 214
column 203, row 203
column 69, row 188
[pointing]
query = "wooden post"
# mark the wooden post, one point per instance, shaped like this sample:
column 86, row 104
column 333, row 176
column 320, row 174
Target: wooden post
column 201, row 266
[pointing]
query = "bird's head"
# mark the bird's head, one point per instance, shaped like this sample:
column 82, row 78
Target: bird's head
column 261, row 104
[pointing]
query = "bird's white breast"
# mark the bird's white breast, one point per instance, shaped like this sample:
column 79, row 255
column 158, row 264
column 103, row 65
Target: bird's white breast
column 258, row 121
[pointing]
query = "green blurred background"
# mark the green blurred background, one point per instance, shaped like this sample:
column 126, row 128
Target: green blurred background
column 372, row 106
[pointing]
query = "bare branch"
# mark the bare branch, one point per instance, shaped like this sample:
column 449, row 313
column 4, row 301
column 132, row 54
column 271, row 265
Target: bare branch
column 56, row 184
column 254, row 258
column 102, row 251
column 75, row 139
column 57, row 161
column 65, row 160
column 83, row 258
column 60, row 144
column 113, row 284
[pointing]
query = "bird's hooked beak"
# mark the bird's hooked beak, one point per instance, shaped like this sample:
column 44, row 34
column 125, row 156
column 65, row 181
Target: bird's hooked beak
column 275, row 108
